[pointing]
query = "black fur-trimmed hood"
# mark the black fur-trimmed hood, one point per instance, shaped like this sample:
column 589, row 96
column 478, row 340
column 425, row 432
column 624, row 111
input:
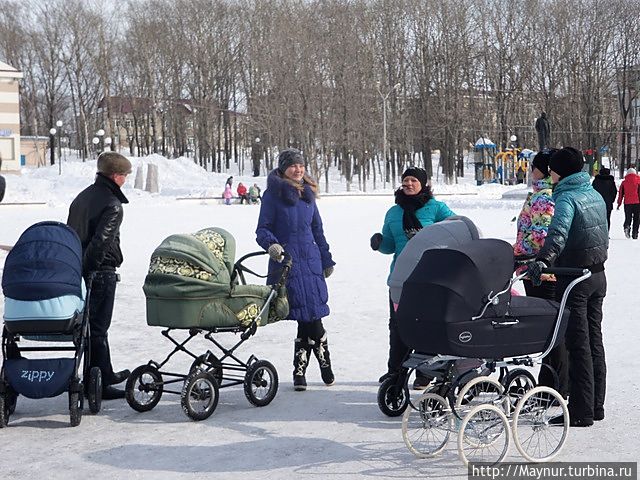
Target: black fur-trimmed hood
column 287, row 192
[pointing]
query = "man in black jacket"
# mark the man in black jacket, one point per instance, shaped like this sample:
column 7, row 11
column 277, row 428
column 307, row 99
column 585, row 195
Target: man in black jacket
column 96, row 214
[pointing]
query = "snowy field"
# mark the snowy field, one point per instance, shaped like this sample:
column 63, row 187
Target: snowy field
column 333, row 432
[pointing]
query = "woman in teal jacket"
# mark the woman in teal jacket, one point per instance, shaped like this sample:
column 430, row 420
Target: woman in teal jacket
column 415, row 208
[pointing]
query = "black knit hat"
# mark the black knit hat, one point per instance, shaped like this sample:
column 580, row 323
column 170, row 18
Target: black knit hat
column 288, row 157
column 566, row 161
column 541, row 160
column 419, row 173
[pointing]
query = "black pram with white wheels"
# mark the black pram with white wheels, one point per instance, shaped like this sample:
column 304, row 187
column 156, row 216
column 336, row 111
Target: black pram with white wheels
column 194, row 287
column 44, row 312
column 456, row 308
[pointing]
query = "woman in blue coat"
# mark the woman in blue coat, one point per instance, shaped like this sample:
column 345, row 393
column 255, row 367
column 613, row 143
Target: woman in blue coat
column 289, row 221
column 415, row 208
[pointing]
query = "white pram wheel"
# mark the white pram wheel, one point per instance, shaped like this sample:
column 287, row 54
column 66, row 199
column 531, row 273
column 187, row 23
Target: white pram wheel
column 535, row 438
column 261, row 383
column 484, row 435
column 426, row 427
column 200, row 395
column 144, row 388
column 480, row 391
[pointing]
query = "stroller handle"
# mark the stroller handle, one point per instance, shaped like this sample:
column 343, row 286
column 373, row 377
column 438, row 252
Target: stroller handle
column 567, row 271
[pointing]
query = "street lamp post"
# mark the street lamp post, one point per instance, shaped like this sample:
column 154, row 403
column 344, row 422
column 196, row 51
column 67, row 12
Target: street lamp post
column 95, row 141
column 59, row 128
column 52, row 144
column 100, row 135
column 107, row 143
column 384, row 127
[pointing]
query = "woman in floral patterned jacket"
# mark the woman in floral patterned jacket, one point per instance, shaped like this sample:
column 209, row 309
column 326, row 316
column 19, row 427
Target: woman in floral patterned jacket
column 533, row 224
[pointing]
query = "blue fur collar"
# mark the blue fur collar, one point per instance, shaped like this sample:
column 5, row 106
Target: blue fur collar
column 287, row 192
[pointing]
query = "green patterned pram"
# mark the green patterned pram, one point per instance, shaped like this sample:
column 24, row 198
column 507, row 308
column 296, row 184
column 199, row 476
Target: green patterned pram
column 194, row 288
column 192, row 283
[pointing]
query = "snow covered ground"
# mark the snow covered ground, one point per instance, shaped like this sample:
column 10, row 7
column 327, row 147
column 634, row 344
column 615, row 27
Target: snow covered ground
column 335, row 432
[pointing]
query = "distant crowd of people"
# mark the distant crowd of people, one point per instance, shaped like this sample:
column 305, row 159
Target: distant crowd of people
column 251, row 196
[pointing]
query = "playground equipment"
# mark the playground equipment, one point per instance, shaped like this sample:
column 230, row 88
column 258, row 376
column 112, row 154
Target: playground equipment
column 484, row 152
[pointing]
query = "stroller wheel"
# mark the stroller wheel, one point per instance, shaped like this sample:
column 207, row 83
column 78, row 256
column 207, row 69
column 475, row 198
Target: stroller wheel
column 199, row 395
column 393, row 396
column 144, row 388
column 209, row 362
column 94, row 390
column 484, row 435
column 75, row 407
column 535, row 438
column 516, row 383
column 427, row 425
column 13, row 400
column 480, row 391
column 261, row 383
column 4, row 410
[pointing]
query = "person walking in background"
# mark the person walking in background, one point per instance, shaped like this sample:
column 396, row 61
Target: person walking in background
column 96, row 215
column 605, row 185
column 630, row 193
column 242, row 193
column 227, row 194
column 415, row 208
column 578, row 238
column 533, row 225
column 290, row 221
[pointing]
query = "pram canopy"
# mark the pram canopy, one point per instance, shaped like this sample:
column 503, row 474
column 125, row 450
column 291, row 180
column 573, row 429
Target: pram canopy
column 46, row 262
column 450, row 232
column 189, row 285
column 450, row 286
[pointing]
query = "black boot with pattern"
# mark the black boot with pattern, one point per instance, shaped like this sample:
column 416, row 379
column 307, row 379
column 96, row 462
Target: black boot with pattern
column 321, row 351
column 301, row 353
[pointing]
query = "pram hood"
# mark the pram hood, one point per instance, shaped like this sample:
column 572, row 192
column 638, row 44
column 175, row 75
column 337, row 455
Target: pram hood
column 46, row 262
column 192, row 265
column 451, row 232
column 189, row 285
column 453, row 284
column 444, row 307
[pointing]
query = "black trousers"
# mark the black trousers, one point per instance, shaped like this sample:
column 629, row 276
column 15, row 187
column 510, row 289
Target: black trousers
column 398, row 351
column 554, row 372
column 587, row 365
column 312, row 330
column 103, row 292
column 632, row 218
column 609, row 217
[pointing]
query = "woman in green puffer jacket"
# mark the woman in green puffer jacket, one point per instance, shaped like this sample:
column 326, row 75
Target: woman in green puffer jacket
column 415, row 208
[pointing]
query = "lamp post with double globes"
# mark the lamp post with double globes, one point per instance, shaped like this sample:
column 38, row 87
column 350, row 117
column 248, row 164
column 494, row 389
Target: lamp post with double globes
column 95, row 141
column 384, row 127
column 100, row 135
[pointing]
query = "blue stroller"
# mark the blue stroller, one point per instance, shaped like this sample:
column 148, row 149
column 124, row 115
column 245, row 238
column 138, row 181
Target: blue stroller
column 45, row 298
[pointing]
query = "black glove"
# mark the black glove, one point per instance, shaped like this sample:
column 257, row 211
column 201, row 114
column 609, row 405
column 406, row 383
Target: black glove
column 534, row 270
column 376, row 241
